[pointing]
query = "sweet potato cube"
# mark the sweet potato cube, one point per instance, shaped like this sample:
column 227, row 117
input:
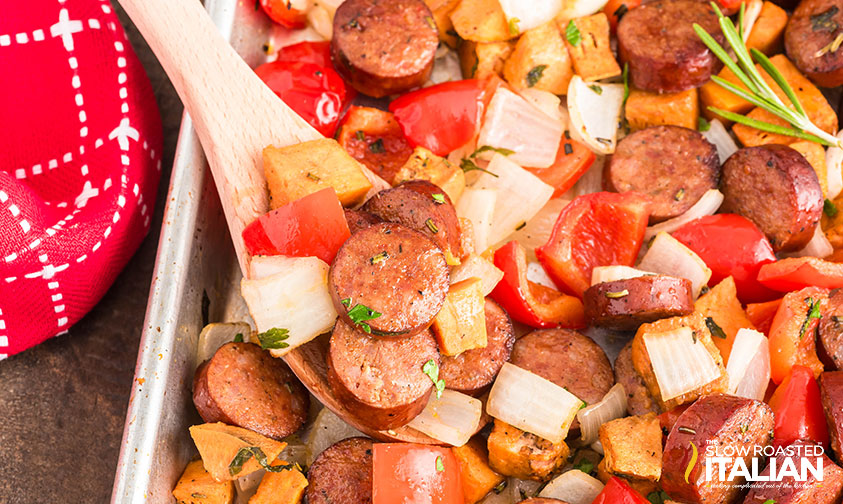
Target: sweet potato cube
column 721, row 304
column 197, row 486
column 481, row 60
column 540, row 60
column 461, row 323
column 645, row 109
column 441, row 10
column 425, row 165
column 298, row 170
column 815, row 154
column 285, row 487
column 714, row 95
column 592, row 57
column 477, row 477
column 767, row 33
column 633, row 447
column 481, row 21
column 219, row 443
column 513, row 452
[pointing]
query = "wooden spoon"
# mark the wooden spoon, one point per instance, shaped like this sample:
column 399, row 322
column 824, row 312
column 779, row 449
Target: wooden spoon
column 235, row 116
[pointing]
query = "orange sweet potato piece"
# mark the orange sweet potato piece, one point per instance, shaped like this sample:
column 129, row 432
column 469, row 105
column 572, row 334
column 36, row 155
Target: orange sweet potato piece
column 197, row 486
column 722, row 305
column 478, row 479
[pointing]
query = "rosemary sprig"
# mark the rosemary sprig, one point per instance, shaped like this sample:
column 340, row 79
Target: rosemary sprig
column 759, row 91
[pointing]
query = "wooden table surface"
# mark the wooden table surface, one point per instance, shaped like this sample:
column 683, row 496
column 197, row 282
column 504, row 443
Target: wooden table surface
column 63, row 403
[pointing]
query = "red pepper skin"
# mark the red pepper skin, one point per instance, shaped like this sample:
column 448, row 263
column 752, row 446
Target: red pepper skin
column 510, row 293
column 281, row 12
column 796, row 273
column 618, row 491
column 313, row 226
column 798, row 409
column 412, row 473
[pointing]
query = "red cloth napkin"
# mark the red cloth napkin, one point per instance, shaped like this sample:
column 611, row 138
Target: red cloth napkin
column 80, row 159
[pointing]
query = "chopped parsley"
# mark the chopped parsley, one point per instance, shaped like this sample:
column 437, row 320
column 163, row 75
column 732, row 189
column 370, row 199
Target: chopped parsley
column 813, row 313
column 680, row 194
column 702, row 124
column 617, row 295
column 597, row 89
column 488, row 148
column 513, row 26
column 625, row 82
column 274, row 338
column 360, row 314
column 715, row 329
column 377, row 146
column 823, row 21
column 829, row 208
column 379, row 257
column 572, row 34
column 535, row 75
column 431, row 369
column 243, row 456
column 500, row 488
column 360, row 135
column 468, row 165
column 585, row 466
column 440, row 466
column 438, row 198
column 238, row 338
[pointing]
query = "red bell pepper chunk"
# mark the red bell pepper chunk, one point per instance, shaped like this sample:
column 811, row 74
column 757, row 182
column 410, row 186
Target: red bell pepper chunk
column 442, row 117
column 762, row 314
column 373, row 137
column 599, row 229
column 798, row 409
column 415, row 474
column 617, row 491
column 314, row 225
column 791, row 336
column 799, row 272
column 731, row 245
column 573, row 159
column 309, row 51
column 668, row 419
column 531, row 304
column 615, row 9
column 282, row 12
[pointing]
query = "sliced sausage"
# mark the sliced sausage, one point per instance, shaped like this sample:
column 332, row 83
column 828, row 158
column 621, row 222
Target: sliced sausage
column 638, row 398
column 243, row 385
column 831, row 328
column 662, row 49
column 472, row 371
column 831, row 392
column 672, row 165
column 775, row 187
column 358, row 219
column 423, row 206
column 384, row 47
column 391, row 270
column 809, row 37
column 789, row 490
column 342, row 474
column 626, row 304
column 381, row 381
column 568, row 359
column 723, row 423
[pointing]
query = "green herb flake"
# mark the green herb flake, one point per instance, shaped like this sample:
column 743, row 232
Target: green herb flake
column 625, row 82
column 535, row 75
column 431, row 226
column 360, row 135
column 346, row 302
column 715, row 329
column 360, row 314
column 831, row 47
column 687, row 430
column 702, row 124
column 572, row 34
column 489, row 148
column 431, row 23
column 830, row 209
column 744, row 428
column 680, row 194
column 468, row 165
column 440, row 466
column 824, row 20
column 274, row 338
column 243, row 456
column 521, row 226
column 377, row 147
column 585, row 466
column 438, row 198
column 597, row 89
column 618, row 294
column 513, row 26
column 313, row 177
column 238, row 338
column 770, row 501
column 431, row 369
column 621, row 11
column 813, row 313
column 657, row 497
column 197, row 495
column 378, row 258
column 500, row 488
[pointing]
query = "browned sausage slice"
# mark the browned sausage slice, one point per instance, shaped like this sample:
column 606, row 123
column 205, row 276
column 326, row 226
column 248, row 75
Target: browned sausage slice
column 664, row 53
column 342, row 474
column 716, row 422
column 809, row 37
column 638, row 398
column 568, row 359
column 423, row 206
column 831, row 391
column 775, row 187
column 383, row 47
column 831, row 328
column 789, row 490
column 358, row 219
column 626, row 304
column 391, row 270
column 243, row 385
column 472, row 371
column 672, row 165
column 381, row 381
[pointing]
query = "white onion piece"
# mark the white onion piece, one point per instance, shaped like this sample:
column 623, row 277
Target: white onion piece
column 597, row 446
column 680, row 362
column 720, row 137
column 326, row 430
column 520, row 195
column 547, row 102
column 612, row 406
column 573, row 487
column 246, row 486
column 750, row 16
column 834, row 169
column 321, row 19
column 216, row 335
column 595, row 116
column 706, row 205
column 297, row 299
column 819, row 246
column 537, row 274
column 532, row 404
column 537, row 231
column 749, row 365
column 668, row 256
column 478, row 206
column 514, row 123
column 452, row 418
column 591, row 181
column 518, row 488
column 477, row 267
column 498, row 498
column 446, row 66
column 530, row 14
column 603, row 274
column 580, row 8
column 264, row 266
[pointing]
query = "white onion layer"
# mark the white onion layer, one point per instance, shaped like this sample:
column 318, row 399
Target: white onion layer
column 530, row 14
column 819, row 246
column 477, row 267
column 452, row 418
column 668, row 256
column 749, row 365
column 326, row 430
column 538, row 229
column 216, row 335
column 478, row 206
column 603, row 274
column 612, row 406
column 720, row 137
column 595, row 115
column 834, row 169
column 680, row 362
column 573, row 487
column 706, row 205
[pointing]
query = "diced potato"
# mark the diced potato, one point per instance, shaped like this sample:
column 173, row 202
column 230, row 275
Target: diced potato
column 641, row 359
column 477, row 477
column 644, row 487
column 815, row 154
column 632, row 447
column 481, row 21
column 714, row 95
column 197, row 486
column 513, row 452
column 461, row 323
column 219, row 443
column 645, row 109
column 592, row 57
column 768, row 31
column 480, row 60
column 813, row 101
column 285, row 487
column 722, row 305
column 425, row 165
column 298, row 170
column 441, row 10
column 540, row 61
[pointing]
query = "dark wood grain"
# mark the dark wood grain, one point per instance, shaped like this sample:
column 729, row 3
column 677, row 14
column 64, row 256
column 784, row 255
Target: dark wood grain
column 63, row 403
